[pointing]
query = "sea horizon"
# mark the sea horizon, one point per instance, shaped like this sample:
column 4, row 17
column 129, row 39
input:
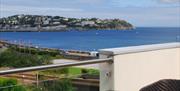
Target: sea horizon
column 93, row 40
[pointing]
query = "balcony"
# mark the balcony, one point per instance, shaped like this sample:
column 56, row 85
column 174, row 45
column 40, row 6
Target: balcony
column 120, row 69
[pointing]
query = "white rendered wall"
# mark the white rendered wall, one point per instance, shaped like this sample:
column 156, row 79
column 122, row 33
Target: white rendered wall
column 132, row 71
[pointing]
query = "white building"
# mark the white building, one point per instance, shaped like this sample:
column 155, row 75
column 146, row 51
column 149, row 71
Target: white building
column 55, row 23
column 46, row 22
column 87, row 23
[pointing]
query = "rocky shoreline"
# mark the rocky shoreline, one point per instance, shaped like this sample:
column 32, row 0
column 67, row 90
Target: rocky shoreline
column 33, row 29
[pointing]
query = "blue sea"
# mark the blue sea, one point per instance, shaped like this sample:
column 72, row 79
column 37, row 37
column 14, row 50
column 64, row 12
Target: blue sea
column 93, row 40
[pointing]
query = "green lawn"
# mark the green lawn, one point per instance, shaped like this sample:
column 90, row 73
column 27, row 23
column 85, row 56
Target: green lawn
column 69, row 72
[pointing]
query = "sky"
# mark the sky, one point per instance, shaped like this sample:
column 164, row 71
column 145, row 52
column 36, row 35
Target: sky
column 141, row 13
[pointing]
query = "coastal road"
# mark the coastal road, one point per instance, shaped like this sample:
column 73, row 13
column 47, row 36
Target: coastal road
column 62, row 61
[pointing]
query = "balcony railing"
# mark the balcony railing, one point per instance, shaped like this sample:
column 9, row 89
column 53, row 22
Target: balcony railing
column 121, row 69
column 44, row 67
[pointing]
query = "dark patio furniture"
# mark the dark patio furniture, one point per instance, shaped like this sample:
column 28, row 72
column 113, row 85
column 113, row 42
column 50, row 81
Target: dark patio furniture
column 163, row 85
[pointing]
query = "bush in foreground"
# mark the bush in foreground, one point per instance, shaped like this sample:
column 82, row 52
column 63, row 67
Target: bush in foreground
column 12, row 58
column 10, row 85
column 54, row 85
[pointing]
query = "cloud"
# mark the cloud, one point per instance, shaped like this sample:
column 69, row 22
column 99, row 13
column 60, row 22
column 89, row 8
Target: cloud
column 7, row 10
column 170, row 1
column 148, row 16
column 37, row 9
column 90, row 1
column 145, row 3
column 138, row 12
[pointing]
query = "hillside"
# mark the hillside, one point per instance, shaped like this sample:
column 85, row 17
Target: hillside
column 58, row 23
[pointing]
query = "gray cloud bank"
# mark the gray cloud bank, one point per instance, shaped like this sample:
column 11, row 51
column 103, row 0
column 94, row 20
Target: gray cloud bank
column 170, row 1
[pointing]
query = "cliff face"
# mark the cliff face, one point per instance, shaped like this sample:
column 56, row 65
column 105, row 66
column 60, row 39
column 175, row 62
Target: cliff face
column 55, row 23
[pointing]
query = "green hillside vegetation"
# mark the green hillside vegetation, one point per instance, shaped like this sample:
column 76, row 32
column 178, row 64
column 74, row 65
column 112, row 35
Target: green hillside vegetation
column 18, row 22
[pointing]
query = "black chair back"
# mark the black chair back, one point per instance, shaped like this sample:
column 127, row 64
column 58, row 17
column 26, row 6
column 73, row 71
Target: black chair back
column 163, row 85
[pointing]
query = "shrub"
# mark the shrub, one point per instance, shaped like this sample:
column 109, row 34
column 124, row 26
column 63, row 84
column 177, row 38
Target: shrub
column 90, row 71
column 12, row 83
column 67, row 71
column 54, row 85
column 12, row 58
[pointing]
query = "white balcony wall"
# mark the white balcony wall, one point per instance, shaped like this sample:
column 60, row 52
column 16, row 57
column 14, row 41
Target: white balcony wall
column 136, row 67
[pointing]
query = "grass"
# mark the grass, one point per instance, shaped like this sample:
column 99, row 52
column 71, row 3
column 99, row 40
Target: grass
column 69, row 72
